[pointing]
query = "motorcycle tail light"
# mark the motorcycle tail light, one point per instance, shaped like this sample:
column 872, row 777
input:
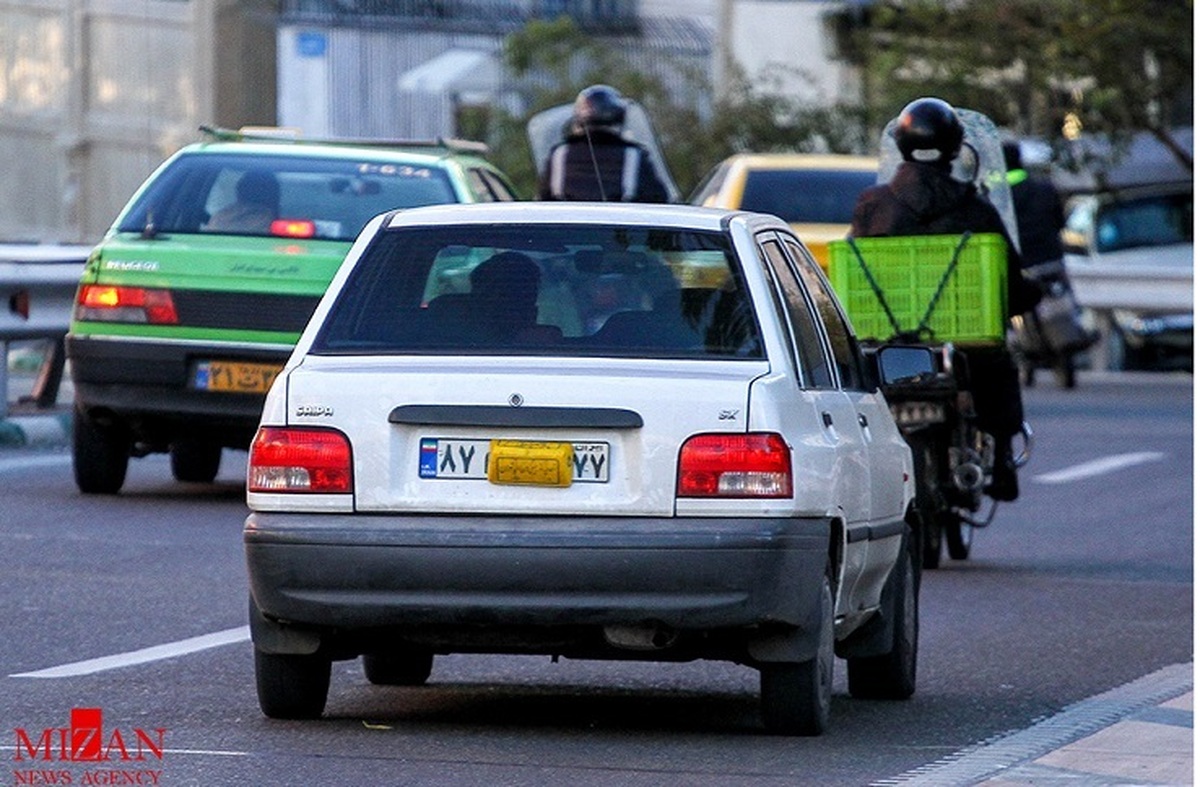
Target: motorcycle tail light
column 754, row 465
column 291, row 459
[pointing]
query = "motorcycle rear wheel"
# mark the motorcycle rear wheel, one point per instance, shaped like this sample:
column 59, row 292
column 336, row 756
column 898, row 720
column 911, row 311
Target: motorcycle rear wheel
column 958, row 536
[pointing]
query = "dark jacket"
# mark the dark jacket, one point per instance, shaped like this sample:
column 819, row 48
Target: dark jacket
column 923, row 199
column 625, row 171
column 1040, row 218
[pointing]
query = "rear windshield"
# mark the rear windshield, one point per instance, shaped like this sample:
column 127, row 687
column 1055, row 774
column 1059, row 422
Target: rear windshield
column 1148, row 221
column 805, row 196
column 545, row 290
column 281, row 195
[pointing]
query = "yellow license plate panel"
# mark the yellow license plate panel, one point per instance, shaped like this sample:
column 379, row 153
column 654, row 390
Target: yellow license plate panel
column 527, row 463
column 235, row 376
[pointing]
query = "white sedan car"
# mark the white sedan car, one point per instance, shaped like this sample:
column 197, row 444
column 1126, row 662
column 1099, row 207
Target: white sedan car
column 589, row 431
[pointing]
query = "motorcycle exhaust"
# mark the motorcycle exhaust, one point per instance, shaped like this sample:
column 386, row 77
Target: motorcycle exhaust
column 968, row 477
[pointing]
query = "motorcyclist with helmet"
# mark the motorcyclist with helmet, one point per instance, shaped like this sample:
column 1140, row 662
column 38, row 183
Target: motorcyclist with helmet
column 594, row 161
column 923, row 198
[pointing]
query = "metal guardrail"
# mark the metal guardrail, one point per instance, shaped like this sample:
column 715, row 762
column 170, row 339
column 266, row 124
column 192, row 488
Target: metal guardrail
column 1104, row 288
column 37, row 294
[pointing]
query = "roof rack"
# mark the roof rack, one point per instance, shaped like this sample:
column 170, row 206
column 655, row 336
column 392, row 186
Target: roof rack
column 294, row 135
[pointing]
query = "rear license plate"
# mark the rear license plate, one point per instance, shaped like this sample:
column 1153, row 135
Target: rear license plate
column 234, row 376
column 468, row 460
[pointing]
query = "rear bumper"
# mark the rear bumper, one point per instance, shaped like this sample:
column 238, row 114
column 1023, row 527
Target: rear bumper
column 346, row 572
column 144, row 387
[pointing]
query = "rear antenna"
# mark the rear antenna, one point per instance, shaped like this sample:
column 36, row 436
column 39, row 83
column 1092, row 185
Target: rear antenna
column 587, row 134
column 149, row 231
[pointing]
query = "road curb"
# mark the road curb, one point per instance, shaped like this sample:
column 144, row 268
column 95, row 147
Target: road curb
column 43, row 430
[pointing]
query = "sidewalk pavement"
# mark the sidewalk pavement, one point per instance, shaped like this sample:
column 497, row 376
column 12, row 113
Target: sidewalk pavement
column 1137, row 734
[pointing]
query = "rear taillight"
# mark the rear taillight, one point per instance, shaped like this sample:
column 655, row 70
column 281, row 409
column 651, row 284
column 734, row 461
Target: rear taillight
column 289, row 459
column 106, row 303
column 293, row 228
column 735, row 465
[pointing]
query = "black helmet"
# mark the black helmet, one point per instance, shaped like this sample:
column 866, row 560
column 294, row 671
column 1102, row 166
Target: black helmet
column 598, row 106
column 931, row 125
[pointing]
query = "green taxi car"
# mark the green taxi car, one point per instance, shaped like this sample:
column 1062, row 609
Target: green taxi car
column 193, row 300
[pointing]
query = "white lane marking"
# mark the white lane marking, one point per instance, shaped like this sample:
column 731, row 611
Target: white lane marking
column 156, row 653
column 30, row 462
column 1100, row 466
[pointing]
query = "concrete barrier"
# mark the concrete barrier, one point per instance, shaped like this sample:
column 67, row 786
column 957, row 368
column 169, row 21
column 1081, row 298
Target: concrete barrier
column 37, row 294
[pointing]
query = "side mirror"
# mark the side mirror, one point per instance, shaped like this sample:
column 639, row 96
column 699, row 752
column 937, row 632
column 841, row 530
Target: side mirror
column 900, row 365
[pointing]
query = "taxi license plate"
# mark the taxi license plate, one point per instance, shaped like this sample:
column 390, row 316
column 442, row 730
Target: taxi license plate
column 516, row 461
column 234, row 376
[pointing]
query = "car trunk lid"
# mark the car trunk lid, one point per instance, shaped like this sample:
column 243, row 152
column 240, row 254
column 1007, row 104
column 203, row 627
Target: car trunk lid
column 421, row 429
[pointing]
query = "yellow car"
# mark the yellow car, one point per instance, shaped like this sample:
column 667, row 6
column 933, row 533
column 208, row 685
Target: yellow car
column 813, row 193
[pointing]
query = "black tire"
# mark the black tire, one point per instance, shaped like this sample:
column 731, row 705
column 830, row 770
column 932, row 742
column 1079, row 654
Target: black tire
column 958, row 537
column 928, row 502
column 893, row 675
column 100, row 456
column 291, row 686
column 195, row 461
column 1064, row 372
column 398, row 668
column 1028, row 374
column 795, row 698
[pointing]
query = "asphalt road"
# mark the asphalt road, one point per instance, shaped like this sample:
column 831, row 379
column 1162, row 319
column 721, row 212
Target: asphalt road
column 1083, row 584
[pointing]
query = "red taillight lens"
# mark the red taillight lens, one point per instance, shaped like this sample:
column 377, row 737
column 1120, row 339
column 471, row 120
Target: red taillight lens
column 735, row 465
column 105, row 303
column 284, row 459
column 293, row 228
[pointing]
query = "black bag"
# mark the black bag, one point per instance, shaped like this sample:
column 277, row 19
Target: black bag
column 1059, row 320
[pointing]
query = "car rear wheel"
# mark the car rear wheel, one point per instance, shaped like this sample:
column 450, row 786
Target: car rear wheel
column 195, row 461
column 795, row 698
column 399, row 668
column 100, row 456
column 893, row 675
column 291, row 686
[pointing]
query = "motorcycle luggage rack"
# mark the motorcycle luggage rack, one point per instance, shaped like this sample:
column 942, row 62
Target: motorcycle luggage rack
column 922, row 333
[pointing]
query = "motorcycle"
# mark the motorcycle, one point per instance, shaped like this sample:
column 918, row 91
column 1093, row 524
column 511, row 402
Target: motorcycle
column 926, row 381
column 549, row 127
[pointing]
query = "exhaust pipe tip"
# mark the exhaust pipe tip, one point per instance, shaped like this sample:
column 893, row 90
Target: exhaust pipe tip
column 645, row 636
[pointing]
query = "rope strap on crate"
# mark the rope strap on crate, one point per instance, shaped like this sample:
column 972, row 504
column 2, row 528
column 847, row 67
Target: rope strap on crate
column 922, row 328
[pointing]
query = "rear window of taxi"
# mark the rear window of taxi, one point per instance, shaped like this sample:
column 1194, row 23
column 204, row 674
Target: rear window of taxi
column 806, row 196
column 545, row 290
column 264, row 195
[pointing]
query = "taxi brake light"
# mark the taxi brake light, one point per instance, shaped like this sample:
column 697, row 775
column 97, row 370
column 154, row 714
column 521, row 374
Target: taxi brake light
column 755, row 465
column 107, row 303
column 293, row 459
column 293, row 228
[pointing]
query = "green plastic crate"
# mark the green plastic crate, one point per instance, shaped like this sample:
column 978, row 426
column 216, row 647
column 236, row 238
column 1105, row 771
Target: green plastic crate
column 972, row 308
